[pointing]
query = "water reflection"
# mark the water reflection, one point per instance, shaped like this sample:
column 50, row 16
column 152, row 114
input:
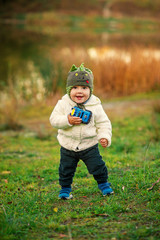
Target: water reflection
column 25, row 63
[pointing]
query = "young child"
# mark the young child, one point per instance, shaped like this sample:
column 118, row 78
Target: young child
column 79, row 140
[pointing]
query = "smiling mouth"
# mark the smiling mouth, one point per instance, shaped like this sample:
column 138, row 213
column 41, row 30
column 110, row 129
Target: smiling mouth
column 79, row 97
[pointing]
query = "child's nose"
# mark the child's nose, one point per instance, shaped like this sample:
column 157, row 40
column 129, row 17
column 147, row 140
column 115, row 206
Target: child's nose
column 79, row 89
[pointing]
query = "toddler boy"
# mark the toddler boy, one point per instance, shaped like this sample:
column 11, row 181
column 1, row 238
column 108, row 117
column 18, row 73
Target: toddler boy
column 79, row 140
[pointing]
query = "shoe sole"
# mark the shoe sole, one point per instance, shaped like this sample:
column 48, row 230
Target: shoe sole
column 67, row 198
column 108, row 194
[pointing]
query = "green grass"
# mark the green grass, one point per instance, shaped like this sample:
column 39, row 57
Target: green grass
column 30, row 208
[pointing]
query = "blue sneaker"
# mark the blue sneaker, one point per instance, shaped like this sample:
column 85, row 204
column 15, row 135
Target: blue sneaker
column 105, row 188
column 65, row 193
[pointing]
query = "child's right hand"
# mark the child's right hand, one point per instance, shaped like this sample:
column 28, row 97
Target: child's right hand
column 74, row 120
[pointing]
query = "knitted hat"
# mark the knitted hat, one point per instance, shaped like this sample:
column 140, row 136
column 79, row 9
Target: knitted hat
column 79, row 76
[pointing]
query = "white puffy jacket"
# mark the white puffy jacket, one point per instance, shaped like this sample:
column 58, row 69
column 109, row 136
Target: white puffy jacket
column 83, row 136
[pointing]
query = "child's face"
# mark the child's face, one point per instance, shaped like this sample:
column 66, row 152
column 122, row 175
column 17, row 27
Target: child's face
column 80, row 94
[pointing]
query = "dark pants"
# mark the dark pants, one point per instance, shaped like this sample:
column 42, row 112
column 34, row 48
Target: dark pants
column 92, row 159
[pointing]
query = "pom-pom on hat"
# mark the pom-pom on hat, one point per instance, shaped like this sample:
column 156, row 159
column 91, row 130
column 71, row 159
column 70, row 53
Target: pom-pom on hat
column 79, row 76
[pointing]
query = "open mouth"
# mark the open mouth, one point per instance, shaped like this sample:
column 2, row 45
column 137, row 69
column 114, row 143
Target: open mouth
column 79, row 97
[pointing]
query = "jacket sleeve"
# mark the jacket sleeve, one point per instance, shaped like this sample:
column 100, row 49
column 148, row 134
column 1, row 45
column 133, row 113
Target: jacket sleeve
column 103, row 124
column 58, row 118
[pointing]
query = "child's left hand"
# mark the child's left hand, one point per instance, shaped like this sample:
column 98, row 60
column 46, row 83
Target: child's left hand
column 104, row 142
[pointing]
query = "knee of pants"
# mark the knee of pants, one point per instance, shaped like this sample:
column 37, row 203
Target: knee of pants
column 97, row 169
column 67, row 170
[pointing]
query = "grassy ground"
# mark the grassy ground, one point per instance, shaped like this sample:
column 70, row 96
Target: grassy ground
column 29, row 162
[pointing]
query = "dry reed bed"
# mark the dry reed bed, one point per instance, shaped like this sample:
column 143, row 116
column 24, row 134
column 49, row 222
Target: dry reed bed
column 118, row 73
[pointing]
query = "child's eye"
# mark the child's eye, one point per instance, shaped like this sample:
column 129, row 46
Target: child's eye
column 75, row 87
column 84, row 87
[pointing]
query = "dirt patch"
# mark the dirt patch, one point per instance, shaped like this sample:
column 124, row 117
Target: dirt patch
column 123, row 109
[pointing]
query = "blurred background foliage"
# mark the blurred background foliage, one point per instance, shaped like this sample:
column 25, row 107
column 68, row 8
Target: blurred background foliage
column 40, row 40
column 127, row 7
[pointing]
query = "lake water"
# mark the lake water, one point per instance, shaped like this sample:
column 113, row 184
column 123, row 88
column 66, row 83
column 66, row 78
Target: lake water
column 31, row 62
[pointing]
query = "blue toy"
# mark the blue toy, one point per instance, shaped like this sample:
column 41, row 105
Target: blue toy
column 85, row 115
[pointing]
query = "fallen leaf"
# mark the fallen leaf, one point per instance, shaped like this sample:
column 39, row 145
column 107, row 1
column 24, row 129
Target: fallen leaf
column 30, row 186
column 62, row 235
column 55, row 209
column 5, row 180
column 5, row 172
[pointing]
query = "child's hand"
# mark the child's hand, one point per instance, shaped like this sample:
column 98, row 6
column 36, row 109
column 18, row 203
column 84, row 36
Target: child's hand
column 104, row 142
column 74, row 120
